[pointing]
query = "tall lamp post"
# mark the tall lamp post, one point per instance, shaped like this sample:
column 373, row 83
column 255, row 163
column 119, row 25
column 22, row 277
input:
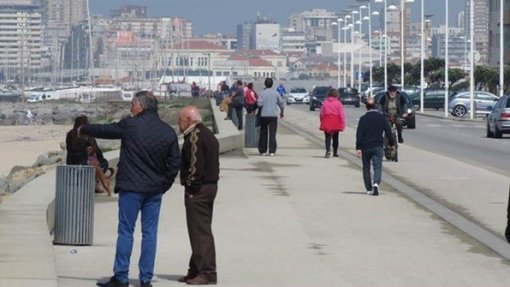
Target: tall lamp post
column 501, row 48
column 91, row 69
column 368, row 18
column 353, row 31
column 385, row 38
column 446, row 60
column 422, row 55
column 346, row 27
column 337, row 24
column 361, row 18
column 472, row 58
column 402, row 39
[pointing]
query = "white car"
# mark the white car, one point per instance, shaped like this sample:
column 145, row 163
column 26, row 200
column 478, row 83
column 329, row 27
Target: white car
column 298, row 96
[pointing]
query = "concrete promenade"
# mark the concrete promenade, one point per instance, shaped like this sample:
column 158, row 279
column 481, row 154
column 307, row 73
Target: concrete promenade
column 295, row 219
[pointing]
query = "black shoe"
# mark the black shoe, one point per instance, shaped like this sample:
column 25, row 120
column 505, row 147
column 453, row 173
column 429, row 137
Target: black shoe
column 186, row 278
column 335, row 155
column 113, row 282
column 400, row 140
column 145, row 284
column 202, row 279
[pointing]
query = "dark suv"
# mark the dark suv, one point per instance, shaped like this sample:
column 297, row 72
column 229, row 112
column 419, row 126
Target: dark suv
column 317, row 96
column 349, row 96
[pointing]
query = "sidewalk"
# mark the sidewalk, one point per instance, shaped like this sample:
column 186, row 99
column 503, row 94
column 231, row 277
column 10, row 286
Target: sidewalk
column 297, row 219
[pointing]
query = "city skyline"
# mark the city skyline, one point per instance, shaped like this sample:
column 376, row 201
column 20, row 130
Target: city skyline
column 228, row 13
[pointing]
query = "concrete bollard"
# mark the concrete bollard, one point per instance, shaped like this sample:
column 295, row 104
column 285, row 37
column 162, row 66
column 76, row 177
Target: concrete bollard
column 74, row 205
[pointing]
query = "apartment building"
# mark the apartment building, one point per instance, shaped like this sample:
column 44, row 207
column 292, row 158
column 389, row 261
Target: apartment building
column 317, row 24
column 494, row 31
column 20, row 38
column 481, row 24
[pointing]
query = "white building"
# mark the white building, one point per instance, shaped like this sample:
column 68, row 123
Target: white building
column 317, row 24
column 20, row 39
column 293, row 41
column 267, row 36
column 481, row 33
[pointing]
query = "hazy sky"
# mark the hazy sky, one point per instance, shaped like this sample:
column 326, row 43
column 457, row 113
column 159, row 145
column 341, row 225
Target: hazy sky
column 210, row 16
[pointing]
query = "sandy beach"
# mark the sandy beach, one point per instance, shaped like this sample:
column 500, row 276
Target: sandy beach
column 21, row 145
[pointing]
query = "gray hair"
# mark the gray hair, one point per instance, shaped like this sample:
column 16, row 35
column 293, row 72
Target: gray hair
column 147, row 100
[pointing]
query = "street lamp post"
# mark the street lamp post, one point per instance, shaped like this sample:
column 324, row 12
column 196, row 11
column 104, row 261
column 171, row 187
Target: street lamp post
column 472, row 58
column 402, row 39
column 501, row 48
column 385, row 38
column 337, row 24
column 352, row 46
column 346, row 27
column 446, row 61
column 422, row 55
column 91, row 69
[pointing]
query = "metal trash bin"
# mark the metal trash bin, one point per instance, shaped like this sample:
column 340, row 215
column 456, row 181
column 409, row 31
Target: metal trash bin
column 74, row 205
column 251, row 132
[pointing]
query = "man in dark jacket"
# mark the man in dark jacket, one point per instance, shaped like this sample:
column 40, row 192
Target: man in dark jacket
column 237, row 96
column 393, row 106
column 149, row 162
column 199, row 175
column 369, row 144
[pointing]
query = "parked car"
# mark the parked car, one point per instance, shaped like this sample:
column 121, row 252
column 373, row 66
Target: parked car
column 460, row 103
column 317, row 96
column 349, row 96
column 498, row 121
column 364, row 95
column 432, row 99
column 297, row 96
column 410, row 120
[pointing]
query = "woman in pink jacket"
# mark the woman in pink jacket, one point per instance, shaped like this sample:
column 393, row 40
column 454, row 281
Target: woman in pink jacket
column 332, row 121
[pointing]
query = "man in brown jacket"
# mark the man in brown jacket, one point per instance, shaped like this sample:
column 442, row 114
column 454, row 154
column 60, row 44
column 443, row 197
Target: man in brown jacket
column 199, row 175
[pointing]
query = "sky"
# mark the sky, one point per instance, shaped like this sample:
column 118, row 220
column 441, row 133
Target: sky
column 222, row 16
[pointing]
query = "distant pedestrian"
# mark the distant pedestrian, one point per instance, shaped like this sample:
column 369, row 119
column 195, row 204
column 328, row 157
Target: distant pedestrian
column 30, row 117
column 195, row 90
column 369, row 144
column 148, row 164
column 281, row 90
column 237, row 96
column 199, row 175
column 250, row 97
column 271, row 104
column 332, row 118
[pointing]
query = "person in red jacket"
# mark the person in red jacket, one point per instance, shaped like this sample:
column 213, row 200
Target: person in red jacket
column 332, row 118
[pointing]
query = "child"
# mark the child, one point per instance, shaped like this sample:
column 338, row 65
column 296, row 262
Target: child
column 100, row 176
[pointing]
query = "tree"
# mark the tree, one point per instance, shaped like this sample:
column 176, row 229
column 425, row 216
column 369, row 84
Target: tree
column 455, row 75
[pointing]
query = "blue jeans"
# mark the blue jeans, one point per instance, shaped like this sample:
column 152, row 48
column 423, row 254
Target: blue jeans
column 374, row 156
column 130, row 203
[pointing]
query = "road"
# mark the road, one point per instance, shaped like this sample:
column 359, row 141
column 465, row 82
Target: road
column 462, row 140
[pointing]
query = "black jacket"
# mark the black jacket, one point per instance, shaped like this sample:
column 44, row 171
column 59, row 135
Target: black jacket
column 149, row 152
column 77, row 148
column 200, row 159
column 370, row 131
column 401, row 103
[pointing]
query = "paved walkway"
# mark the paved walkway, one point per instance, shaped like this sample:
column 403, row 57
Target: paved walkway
column 297, row 219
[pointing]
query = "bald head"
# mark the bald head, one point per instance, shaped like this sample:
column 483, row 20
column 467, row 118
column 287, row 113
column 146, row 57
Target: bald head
column 188, row 116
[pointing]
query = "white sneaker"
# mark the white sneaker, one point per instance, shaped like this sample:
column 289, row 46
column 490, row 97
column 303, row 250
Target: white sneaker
column 376, row 189
column 369, row 192
column 263, row 154
column 271, row 154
